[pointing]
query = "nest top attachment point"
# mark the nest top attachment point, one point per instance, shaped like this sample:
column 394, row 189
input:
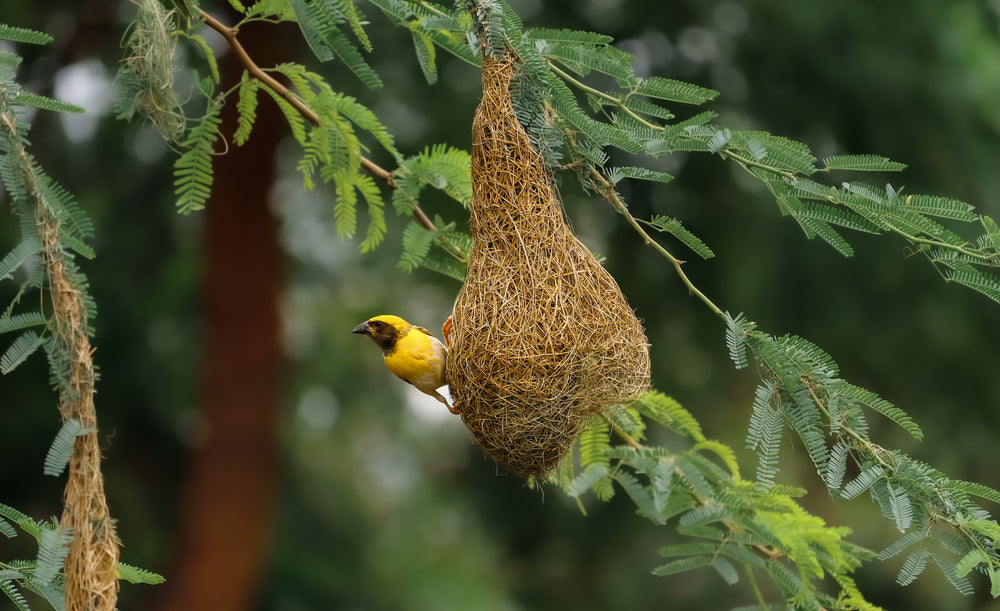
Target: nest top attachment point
column 543, row 337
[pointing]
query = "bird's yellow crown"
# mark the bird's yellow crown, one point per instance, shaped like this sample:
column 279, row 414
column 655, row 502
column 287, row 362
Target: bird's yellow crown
column 394, row 321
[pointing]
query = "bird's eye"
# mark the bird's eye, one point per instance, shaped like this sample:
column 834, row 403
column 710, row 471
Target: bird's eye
column 376, row 323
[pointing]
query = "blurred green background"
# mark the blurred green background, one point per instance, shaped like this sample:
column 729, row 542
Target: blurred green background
column 375, row 497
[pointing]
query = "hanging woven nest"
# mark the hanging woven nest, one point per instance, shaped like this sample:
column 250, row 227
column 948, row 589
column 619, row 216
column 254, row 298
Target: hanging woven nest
column 542, row 335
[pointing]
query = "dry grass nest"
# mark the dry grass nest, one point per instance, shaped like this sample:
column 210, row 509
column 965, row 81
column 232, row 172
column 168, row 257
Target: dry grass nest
column 543, row 337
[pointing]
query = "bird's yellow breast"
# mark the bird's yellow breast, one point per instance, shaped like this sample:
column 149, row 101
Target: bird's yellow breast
column 419, row 359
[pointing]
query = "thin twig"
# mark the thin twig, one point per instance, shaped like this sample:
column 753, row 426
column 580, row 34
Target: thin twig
column 607, row 190
column 230, row 35
column 386, row 177
column 628, row 439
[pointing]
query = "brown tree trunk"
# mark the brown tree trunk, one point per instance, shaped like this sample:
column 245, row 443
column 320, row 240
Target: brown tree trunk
column 227, row 506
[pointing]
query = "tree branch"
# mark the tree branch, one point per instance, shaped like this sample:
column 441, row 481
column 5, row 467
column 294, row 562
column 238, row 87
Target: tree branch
column 386, row 177
column 230, row 35
column 308, row 113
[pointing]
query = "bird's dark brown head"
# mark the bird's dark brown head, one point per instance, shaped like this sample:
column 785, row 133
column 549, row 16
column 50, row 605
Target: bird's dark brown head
column 383, row 331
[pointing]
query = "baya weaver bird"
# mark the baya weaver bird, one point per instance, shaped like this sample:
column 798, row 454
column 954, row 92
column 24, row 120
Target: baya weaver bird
column 410, row 352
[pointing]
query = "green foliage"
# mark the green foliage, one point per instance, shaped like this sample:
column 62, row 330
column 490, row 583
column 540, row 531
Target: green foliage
column 13, row 260
column 42, row 205
column 332, row 146
column 45, row 103
column 53, row 546
column 320, row 22
column 193, row 169
column 578, row 97
column 861, row 163
column 246, row 106
column 62, row 446
column 43, row 574
column 23, row 35
column 53, row 231
column 20, row 350
column 133, row 574
column 430, row 28
column 448, row 258
column 594, row 463
column 764, row 434
column 676, row 229
column 446, row 169
column 801, row 389
column 730, row 524
column 631, row 118
column 737, row 330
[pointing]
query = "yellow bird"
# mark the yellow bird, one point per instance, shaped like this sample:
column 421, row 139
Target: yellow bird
column 410, row 352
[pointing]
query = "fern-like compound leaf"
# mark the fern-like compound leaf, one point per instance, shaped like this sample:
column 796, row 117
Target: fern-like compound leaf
column 53, row 547
column 246, row 108
column 10, row 589
column 23, row 35
column 25, row 249
column 426, row 55
column 133, row 574
column 836, row 467
column 19, row 351
column 193, row 174
column 46, row 103
column 568, row 36
column 674, row 91
column 862, row 163
column 446, row 266
column 943, row 207
column 674, row 227
column 61, row 449
column 947, row 567
column 914, row 565
column 872, row 401
column 862, row 482
column 585, row 480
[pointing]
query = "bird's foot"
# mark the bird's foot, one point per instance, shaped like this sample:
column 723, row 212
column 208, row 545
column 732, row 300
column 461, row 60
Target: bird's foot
column 446, row 330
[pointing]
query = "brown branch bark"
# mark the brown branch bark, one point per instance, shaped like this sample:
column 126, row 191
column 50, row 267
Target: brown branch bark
column 230, row 35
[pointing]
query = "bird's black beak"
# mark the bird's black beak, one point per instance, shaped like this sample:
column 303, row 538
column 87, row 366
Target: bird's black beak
column 363, row 329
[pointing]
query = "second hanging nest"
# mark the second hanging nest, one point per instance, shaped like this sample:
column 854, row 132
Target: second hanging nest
column 543, row 337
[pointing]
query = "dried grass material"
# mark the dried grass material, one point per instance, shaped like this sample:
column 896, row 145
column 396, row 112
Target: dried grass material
column 147, row 74
column 543, row 337
column 90, row 572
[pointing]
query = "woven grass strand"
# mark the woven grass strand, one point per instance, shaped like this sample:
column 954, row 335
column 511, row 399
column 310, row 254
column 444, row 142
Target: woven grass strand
column 543, row 337
column 91, row 579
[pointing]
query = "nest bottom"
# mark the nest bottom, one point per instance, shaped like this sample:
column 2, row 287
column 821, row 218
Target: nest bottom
column 527, row 441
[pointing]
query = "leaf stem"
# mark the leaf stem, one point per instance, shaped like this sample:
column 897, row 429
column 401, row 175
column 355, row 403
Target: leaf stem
column 628, row 439
column 755, row 587
column 607, row 190
column 619, row 102
column 872, row 449
column 789, row 174
column 429, row 7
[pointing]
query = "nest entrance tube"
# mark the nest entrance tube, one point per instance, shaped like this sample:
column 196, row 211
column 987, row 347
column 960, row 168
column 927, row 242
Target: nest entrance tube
column 543, row 337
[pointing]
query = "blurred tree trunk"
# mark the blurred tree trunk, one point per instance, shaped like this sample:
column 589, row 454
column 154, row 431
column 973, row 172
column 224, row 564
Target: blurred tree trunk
column 228, row 498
